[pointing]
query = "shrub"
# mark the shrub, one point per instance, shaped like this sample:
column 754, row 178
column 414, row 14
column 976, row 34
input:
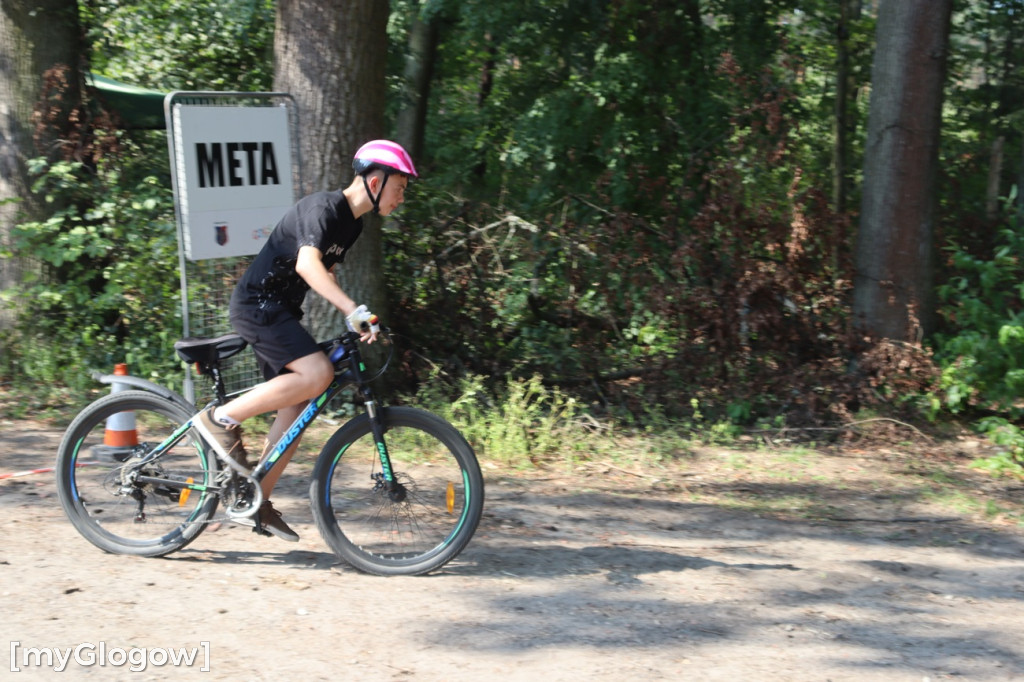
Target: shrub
column 101, row 283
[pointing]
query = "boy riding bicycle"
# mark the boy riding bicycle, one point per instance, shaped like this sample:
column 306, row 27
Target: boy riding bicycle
column 266, row 308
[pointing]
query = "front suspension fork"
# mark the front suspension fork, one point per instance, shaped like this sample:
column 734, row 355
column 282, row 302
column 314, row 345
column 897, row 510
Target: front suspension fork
column 377, row 426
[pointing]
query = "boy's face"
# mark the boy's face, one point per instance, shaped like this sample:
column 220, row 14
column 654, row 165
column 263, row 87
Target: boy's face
column 394, row 193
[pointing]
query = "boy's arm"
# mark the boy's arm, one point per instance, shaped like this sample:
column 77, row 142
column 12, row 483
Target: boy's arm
column 310, row 267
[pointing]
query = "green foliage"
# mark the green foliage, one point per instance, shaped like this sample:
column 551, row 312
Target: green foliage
column 637, row 212
column 101, row 265
column 1006, row 435
column 983, row 353
column 981, row 346
column 183, row 44
column 985, row 98
column 623, row 198
column 526, row 422
column 102, row 285
column 729, row 296
column 547, row 98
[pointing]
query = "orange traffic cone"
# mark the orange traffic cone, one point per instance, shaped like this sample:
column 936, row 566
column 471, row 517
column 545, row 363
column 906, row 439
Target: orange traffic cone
column 120, row 435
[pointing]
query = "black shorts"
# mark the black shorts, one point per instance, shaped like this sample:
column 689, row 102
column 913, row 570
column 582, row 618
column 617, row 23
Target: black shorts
column 276, row 336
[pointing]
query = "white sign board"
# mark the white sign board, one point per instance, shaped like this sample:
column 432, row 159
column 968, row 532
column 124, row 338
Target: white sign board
column 234, row 177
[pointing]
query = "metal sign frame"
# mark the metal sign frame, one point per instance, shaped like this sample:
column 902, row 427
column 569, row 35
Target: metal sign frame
column 206, row 285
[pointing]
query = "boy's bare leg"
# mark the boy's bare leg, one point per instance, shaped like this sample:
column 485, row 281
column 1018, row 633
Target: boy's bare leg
column 287, row 394
column 307, row 378
column 284, row 419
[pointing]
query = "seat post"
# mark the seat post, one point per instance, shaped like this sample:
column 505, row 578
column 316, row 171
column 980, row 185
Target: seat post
column 218, row 383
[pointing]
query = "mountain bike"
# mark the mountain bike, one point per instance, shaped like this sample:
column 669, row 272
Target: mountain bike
column 394, row 491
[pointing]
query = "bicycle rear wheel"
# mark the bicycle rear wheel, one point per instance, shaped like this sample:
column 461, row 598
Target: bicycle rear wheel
column 415, row 528
column 139, row 488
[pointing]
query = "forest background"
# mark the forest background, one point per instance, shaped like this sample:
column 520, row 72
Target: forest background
column 646, row 214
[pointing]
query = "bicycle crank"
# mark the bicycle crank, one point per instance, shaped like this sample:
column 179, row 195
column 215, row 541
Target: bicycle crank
column 246, row 500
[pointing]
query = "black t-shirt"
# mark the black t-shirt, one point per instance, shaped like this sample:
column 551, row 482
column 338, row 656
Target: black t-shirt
column 323, row 220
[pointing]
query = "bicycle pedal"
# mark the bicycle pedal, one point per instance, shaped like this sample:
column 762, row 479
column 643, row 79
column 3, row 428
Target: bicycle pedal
column 254, row 523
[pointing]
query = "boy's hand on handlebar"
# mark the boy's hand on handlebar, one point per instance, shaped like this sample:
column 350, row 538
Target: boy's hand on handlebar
column 370, row 335
column 364, row 323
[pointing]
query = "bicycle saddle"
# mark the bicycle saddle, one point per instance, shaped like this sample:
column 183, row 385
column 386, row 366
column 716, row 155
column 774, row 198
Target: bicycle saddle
column 208, row 351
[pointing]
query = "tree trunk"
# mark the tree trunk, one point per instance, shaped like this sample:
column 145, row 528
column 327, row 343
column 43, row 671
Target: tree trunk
column 995, row 171
column 331, row 56
column 35, row 37
column 849, row 12
column 486, row 86
column 893, row 287
column 418, row 74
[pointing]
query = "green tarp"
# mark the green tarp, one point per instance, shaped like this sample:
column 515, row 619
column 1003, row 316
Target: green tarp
column 137, row 107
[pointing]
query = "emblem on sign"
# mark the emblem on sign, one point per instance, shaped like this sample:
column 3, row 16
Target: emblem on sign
column 221, row 233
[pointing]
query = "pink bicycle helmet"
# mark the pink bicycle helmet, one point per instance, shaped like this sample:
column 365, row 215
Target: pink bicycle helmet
column 383, row 155
column 386, row 156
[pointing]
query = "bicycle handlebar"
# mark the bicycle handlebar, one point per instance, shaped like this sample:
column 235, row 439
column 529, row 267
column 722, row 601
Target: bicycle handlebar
column 339, row 347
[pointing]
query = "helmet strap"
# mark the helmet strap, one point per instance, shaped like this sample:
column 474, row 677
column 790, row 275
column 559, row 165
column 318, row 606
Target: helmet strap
column 375, row 200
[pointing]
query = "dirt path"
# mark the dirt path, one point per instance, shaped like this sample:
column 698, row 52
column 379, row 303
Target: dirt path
column 814, row 567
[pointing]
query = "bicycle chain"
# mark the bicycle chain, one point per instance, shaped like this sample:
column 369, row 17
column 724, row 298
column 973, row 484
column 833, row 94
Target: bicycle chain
column 224, row 478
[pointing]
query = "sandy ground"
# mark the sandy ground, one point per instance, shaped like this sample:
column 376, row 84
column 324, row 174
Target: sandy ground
column 712, row 570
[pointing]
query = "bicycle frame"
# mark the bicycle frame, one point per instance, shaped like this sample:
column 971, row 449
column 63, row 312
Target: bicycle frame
column 348, row 369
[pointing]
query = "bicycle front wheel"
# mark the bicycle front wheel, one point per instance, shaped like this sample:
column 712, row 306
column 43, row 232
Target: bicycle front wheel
column 412, row 527
column 133, row 477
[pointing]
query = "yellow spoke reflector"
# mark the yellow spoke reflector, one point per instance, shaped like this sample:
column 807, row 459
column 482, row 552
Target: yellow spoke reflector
column 449, row 497
column 185, row 492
